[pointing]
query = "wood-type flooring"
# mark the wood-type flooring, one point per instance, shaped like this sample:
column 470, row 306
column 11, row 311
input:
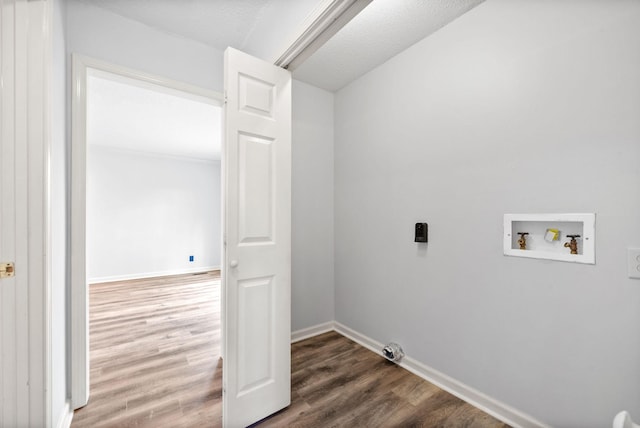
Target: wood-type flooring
column 155, row 362
column 154, row 353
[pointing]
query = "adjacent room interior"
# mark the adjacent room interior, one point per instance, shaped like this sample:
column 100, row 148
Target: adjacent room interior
column 153, row 180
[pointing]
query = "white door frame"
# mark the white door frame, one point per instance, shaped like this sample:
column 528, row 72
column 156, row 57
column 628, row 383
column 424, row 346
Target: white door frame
column 81, row 66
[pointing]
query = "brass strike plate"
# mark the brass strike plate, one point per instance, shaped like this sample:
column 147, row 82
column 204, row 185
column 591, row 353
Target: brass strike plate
column 7, row 270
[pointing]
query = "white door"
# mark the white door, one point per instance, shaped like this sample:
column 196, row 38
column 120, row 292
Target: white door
column 257, row 265
column 23, row 213
column 14, row 393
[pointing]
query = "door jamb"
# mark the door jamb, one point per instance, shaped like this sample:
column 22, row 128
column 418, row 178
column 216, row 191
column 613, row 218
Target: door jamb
column 79, row 325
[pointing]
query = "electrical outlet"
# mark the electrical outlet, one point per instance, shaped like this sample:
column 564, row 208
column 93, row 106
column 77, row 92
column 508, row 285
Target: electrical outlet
column 191, row 258
column 633, row 262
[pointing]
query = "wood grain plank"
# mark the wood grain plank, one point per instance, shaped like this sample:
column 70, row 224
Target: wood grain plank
column 155, row 353
column 155, row 362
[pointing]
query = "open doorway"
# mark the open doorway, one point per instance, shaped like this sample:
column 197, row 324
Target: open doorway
column 153, row 180
column 151, row 206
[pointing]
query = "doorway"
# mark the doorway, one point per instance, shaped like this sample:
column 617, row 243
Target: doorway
column 102, row 248
column 153, row 180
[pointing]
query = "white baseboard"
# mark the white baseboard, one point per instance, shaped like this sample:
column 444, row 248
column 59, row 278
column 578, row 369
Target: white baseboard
column 66, row 416
column 151, row 274
column 495, row 408
column 306, row 333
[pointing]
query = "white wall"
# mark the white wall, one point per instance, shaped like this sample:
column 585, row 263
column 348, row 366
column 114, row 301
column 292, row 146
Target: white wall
column 312, row 207
column 146, row 214
column 58, row 207
column 517, row 106
column 101, row 34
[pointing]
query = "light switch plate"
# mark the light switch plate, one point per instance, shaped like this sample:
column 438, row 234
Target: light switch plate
column 633, row 263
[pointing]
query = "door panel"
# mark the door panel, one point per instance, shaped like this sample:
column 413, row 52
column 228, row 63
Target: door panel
column 256, row 192
column 24, row 140
column 255, row 339
column 257, row 267
column 256, row 96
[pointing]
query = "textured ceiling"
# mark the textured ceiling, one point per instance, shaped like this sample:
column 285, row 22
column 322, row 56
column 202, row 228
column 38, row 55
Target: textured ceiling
column 123, row 114
column 263, row 28
column 259, row 27
column 382, row 30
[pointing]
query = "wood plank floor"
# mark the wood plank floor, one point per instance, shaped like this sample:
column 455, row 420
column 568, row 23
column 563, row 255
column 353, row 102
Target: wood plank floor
column 154, row 353
column 155, row 346
column 337, row 383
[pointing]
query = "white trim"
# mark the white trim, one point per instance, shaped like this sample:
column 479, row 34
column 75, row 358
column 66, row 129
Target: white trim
column 47, row 23
column 39, row 44
column 81, row 65
column 79, row 341
column 315, row 330
column 359, row 338
column 323, row 22
column 117, row 72
column 99, row 279
column 495, row 408
column 123, row 150
column 66, row 416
